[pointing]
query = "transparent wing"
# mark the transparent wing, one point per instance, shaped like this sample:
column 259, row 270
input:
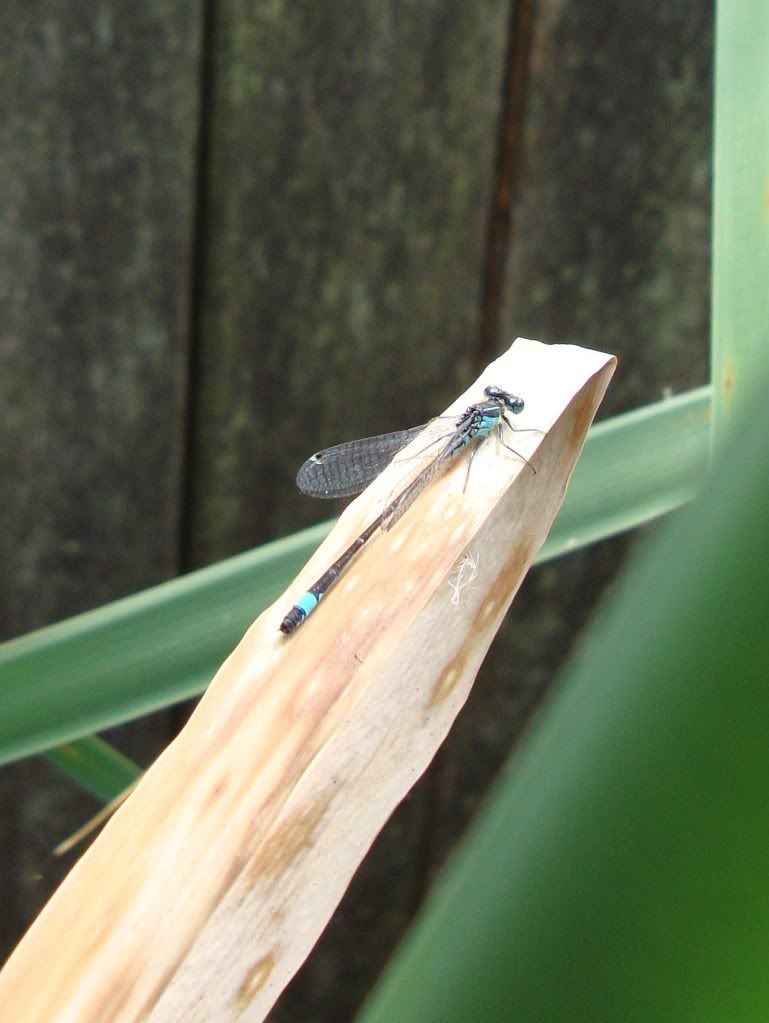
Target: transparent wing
column 452, row 443
column 400, row 505
column 347, row 469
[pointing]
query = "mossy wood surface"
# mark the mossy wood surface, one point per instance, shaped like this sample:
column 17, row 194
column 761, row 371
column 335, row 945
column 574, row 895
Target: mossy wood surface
column 98, row 127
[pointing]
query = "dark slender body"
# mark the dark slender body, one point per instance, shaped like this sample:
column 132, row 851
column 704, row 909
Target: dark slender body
column 475, row 423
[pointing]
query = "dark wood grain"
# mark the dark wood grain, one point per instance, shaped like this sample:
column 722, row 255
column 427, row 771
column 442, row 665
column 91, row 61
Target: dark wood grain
column 98, row 121
column 611, row 236
column 609, row 247
column 351, row 154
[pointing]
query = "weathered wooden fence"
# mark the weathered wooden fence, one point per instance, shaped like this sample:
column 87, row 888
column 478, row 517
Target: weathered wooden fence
column 232, row 233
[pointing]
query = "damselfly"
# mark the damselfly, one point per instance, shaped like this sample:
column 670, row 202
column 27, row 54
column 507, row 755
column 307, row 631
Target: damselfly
column 347, row 469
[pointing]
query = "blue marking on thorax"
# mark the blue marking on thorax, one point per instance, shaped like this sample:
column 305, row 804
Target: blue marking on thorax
column 481, row 428
column 486, row 425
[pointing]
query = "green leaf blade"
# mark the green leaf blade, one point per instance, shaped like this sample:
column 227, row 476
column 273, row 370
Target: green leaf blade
column 620, row 870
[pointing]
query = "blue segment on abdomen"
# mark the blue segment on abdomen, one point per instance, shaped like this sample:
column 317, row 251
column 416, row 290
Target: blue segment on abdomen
column 306, row 603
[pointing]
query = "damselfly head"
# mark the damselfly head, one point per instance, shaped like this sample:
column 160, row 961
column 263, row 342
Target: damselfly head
column 512, row 401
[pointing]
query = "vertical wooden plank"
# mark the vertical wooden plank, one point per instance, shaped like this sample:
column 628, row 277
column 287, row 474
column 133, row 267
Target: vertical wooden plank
column 350, row 157
column 350, row 160
column 97, row 143
column 610, row 240
column 609, row 247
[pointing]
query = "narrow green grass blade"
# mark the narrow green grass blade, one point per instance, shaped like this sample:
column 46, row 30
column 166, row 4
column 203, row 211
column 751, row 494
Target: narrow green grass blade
column 620, row 871
column 136, row 655
column 740, row 332
column 95, row 766
column 160, row 646
column 634, row 468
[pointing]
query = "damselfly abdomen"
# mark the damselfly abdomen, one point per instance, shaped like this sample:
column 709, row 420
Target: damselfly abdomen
column 346, row 469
